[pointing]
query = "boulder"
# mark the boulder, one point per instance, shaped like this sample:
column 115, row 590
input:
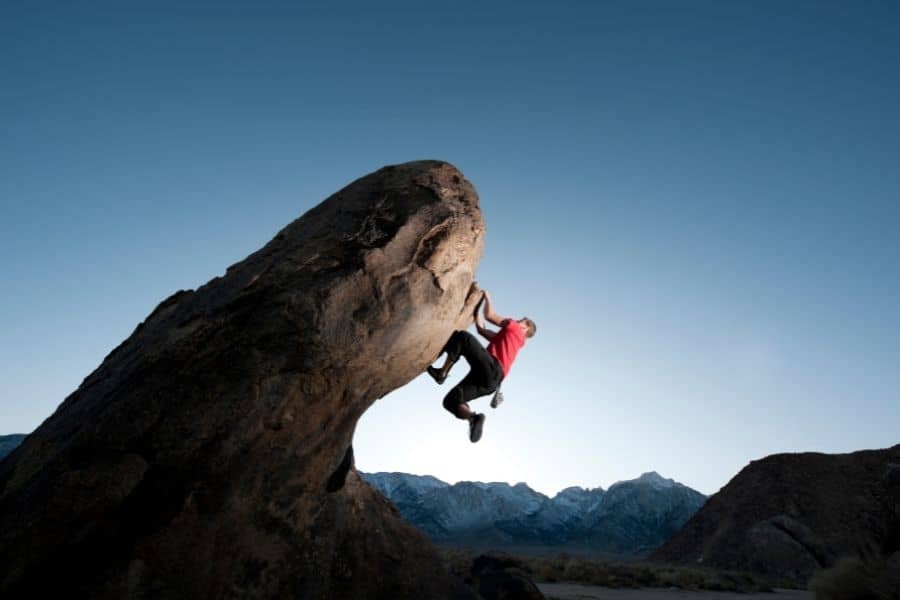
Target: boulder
column 499, row 576
column 210, row 454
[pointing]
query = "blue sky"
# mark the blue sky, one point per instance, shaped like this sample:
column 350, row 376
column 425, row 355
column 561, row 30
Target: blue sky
column 697, row 202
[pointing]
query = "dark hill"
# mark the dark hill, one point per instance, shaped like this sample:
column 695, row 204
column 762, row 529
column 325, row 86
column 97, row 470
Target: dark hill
column 788, row 515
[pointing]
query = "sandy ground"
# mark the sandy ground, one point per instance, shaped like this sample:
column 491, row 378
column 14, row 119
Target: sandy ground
column 574, row 591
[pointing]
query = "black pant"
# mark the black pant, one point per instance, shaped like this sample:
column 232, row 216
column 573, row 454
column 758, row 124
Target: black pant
column 484, row 374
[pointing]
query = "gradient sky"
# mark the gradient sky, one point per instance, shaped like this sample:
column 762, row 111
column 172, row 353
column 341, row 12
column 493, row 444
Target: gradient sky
column 697, row 202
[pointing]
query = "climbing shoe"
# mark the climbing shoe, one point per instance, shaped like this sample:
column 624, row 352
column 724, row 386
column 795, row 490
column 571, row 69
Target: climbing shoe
column 476, row 425
column 437, row 375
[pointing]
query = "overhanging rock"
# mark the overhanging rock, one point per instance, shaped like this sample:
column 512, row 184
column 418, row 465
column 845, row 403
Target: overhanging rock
column 209, row 455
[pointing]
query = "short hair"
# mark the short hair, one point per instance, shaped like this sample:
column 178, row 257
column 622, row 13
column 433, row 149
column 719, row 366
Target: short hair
column 530, row 325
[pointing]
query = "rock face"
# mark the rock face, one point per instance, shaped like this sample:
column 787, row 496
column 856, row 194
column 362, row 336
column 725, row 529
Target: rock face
column 632, row 518
column 788, row 515
column 209, row 455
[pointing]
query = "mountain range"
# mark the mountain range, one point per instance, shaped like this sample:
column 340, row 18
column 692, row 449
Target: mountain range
column 631, row 518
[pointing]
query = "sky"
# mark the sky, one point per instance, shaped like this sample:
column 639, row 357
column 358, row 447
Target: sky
column 697, row 202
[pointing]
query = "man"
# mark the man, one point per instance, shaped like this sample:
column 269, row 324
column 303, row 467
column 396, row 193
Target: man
column 487, row 367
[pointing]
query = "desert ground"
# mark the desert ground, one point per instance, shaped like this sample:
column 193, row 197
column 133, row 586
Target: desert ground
column 574, row 591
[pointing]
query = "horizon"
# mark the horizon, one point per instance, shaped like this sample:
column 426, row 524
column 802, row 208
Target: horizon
column 525, row 483
column 696, row 203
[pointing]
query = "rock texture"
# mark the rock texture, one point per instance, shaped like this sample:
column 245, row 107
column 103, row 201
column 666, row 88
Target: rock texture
column 789, row 515
column 209, row 455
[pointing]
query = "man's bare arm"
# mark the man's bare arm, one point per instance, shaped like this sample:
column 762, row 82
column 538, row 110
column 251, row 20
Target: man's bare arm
column 485, row 333
column 479, row 323
column 489, row 313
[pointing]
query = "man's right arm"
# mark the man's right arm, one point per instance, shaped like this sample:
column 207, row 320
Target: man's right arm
column 489, row 313
column 485, row 333
column 479, row 323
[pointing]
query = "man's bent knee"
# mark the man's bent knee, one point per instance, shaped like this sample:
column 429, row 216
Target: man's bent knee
column 452, row 401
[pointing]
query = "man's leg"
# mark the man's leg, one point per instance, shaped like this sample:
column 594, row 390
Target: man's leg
column 453, row 348
column 463, row 343
column 457, row 399
column 440, row 374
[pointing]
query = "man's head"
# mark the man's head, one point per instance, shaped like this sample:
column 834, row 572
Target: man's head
column 530, row 327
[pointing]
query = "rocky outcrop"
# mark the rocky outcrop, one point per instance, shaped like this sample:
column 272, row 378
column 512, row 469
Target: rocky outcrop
column 789, row 515
column 209, row 455
column 498, row 576
column 495, row 576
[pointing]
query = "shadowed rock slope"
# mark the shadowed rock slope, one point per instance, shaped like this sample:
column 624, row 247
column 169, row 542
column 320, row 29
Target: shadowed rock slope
column 788, row 515
column 209, row 455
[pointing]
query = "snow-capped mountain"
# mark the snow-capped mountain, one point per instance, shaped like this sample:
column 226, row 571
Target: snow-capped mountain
column 639, row 515
column 575, row 502
column 632, row 517
column 400, row 486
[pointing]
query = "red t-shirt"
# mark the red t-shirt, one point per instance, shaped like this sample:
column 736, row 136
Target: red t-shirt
column 506, row 344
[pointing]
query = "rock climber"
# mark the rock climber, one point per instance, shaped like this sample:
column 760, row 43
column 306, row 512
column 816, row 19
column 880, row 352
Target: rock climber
column 488, row 367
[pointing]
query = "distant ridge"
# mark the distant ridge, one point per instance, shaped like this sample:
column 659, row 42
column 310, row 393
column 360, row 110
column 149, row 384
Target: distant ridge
column 631, row 518
column 8, row 443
